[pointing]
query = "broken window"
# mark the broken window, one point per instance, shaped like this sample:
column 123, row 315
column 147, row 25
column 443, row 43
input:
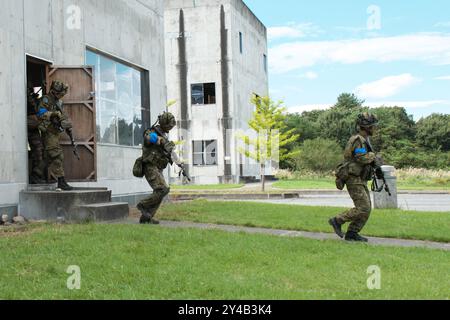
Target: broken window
column 203, row 93
column 205, row 153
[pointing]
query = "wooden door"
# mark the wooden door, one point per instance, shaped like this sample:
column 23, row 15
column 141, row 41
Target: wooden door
column 79, row 106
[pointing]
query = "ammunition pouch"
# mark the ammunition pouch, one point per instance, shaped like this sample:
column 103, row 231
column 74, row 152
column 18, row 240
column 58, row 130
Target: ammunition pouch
column 138, row 168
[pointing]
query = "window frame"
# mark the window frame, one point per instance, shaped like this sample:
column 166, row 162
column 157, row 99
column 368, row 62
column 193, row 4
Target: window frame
column 203, row 94
column 204, row 153
column 144, row 82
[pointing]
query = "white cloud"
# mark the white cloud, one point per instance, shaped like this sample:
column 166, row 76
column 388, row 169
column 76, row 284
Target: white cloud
column 310, row 75
column 409, row 104
column 443, row 24
column 428, row 47
column 293, row 31
column 443, row 78
column 386, row 87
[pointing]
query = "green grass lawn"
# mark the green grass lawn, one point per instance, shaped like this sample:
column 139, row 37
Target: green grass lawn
column 305, row 184
column 382, row 223
column 207, row 187
column 328, row 183
column 147, row 262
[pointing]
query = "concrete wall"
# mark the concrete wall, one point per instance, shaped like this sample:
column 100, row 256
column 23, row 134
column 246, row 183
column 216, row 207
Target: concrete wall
column 203, row 47
column 132, row 30
column 249, row 75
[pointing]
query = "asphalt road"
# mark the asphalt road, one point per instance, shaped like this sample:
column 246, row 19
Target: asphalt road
column 415, row 202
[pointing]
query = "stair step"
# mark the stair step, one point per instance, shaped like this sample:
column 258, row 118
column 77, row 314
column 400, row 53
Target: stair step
column 54, row 205
column 108, row 211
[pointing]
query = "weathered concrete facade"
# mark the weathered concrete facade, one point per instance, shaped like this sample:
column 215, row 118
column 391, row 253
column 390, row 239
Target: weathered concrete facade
column 129, row 30
column 220, row 42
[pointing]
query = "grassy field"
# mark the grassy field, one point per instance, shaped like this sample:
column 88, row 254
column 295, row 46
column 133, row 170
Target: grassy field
column 328, row 183
column 146, row 262
column 382, row 223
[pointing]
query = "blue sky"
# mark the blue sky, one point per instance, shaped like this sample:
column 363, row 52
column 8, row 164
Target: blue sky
column 391, row 52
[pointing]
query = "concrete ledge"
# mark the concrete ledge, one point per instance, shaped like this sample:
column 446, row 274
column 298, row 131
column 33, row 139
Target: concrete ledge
column 232, row 196
column 51, row 206
column 10, row 210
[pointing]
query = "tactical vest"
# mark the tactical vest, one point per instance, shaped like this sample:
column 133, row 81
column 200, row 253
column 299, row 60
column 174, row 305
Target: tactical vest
column 153, row 155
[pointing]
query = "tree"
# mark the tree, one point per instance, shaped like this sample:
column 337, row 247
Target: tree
column 396, row 128
column 319, row 155
column 348, row 101
column 270, row 138
column 433, row 132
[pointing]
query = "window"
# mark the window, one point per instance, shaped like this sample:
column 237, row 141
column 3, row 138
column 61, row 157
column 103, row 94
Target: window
column 241, row 46
column 265, row 62
column 205, row 153
column 121, row 114
column 203, row 93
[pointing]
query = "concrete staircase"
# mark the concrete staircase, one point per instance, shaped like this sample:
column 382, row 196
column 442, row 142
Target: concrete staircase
column 78, row 205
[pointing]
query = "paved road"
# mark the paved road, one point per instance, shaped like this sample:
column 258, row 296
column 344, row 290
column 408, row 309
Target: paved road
column 415, row 202
column 299, row 234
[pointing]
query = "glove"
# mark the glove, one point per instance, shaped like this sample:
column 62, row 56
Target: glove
column 379, row 173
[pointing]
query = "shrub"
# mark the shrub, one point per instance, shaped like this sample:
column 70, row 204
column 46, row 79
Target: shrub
column 319, row 155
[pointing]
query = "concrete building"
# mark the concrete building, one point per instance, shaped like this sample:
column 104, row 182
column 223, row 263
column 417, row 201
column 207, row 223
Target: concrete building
column 216, row 59
column 124, row 41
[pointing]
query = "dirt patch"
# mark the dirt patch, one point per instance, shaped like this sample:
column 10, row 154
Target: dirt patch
column 19, row 230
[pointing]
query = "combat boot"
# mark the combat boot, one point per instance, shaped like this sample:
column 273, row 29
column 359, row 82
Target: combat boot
column 62, row 184
column 337, row 227
column 146, row 217
column 354, row 236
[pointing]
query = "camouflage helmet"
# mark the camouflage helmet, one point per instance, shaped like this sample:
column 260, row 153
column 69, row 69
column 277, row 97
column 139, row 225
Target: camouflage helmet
column 167, row 121
column 59, row 87
column 367, row 120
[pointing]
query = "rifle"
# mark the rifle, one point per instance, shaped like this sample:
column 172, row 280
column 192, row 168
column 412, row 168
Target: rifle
column 75, row 146
column 378, row 174
column 168, row 154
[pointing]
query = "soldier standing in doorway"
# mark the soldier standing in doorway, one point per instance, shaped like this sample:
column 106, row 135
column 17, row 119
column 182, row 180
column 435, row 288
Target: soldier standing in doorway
column 35, row 141
column 53, row 123
column 360, row 161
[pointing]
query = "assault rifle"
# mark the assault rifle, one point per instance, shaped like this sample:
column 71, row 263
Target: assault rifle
column 378, row 174
column 168, row 154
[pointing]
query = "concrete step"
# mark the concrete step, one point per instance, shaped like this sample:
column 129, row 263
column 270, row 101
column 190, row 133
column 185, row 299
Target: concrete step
column 109, row 211
column 54, row 205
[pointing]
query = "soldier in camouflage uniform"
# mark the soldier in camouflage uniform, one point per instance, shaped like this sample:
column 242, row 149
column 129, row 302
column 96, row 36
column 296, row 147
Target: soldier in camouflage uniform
column 157, row 153
column 35, row 141
column 361, row 161
column 53, row 123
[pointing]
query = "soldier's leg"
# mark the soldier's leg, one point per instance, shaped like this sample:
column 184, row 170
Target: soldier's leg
column 361, row 210
column 37, row 157
column 364, row 207
column 56, row 162
column 156, row 180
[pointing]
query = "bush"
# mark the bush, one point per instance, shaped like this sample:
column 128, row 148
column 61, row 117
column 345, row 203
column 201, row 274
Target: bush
column 319, row 155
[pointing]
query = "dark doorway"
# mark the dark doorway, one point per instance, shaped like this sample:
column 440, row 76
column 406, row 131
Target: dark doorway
column 36, row 87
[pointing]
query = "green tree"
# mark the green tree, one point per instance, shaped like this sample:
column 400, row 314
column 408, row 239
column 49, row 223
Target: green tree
column 271, row 139
column 433, row 132
column 319, row 155
column 396, row 128
column 348, row 101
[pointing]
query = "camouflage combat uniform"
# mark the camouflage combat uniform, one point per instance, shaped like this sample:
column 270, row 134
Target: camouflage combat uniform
column 53, row 150
column 154, row 163
column 35, row 141
column 155, row 159
column 360, row 172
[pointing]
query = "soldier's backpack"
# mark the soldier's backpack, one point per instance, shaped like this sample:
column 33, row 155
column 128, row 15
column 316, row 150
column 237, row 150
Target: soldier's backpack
column 138, row 170
column 342, row 173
